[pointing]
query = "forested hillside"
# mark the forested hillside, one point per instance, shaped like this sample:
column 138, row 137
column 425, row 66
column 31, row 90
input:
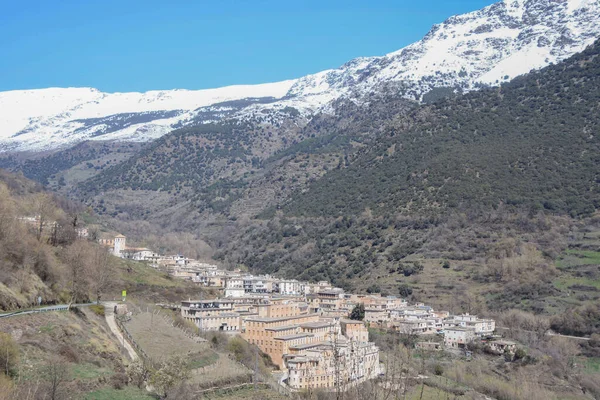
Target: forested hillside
column 232, row 170
column 533, row 142
column 478, row 195
column 378, row 195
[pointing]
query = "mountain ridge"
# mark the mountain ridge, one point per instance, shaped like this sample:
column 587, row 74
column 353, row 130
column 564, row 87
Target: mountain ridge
column 465, row 52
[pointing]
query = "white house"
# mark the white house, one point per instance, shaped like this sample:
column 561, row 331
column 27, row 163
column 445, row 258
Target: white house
column 234, row 282
column 289, row 287
column 481, row 326
column 458, row 336
column 235, row 292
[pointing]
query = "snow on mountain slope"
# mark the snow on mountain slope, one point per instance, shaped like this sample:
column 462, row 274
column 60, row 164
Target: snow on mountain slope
column 465, row 52
column 484, row 47
column 47, row 118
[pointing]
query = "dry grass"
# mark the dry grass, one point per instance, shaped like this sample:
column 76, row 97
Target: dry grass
column 160, row 339
column 247, row 394
column 81, row 340
column 485, row 378
column 223, row 371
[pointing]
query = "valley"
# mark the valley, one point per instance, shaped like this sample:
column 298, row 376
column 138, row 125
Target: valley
column 459, row 173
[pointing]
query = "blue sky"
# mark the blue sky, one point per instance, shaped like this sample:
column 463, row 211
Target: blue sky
column 131, row 45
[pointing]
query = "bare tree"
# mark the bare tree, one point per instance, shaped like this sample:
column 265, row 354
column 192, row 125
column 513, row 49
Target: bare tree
column 7, row 212
column 56, row 373
column 77, row 258
column 101, row 271
column 9, row 354
column 138, row 373
column 44, row 209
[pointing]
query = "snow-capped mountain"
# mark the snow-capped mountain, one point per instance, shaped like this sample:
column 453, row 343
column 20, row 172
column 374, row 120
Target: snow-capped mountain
column 465, row 52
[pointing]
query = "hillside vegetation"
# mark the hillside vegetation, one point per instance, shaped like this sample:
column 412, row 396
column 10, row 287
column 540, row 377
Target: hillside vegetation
column 63, row 355
column 41, row 255
column 533, row 142
column 497, row 183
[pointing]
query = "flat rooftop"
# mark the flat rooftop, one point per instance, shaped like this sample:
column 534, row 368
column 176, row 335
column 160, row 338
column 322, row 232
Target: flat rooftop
column 226, row 315
column 281, row 328
column 459, row 328
column 316, row 325
column 292, row 337
column 306, row 346
column 299, row 359
column 281, row 319
column 351, row 321
column 208, row 301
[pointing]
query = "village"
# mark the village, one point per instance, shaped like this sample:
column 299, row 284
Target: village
column 309, row 329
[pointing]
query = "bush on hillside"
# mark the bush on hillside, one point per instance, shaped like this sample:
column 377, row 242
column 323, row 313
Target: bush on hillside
column 9, row 354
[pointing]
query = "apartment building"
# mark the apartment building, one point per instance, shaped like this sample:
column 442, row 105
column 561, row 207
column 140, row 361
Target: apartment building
column 482, row 327
column 339, row 362
column 209, row 315
column 274, row 335
column 278, row 308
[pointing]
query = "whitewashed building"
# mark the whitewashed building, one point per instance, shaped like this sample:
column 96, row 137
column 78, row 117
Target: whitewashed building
column 458, row 336
column 289, row 287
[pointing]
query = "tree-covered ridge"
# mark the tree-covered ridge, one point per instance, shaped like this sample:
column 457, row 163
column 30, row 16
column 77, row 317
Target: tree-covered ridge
column 240, row 169
column 177, row 161
column 46, row 168
column 532, row 142
column 191, row 158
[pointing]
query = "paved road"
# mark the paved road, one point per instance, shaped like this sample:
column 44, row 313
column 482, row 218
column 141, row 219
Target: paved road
column 109, row 307
column 57, row 307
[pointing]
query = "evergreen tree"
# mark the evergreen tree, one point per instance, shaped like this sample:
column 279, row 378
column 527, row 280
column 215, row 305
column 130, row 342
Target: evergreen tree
column 358, row 312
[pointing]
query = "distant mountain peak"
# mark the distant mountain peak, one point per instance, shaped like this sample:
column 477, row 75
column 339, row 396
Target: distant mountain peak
column 465, row 52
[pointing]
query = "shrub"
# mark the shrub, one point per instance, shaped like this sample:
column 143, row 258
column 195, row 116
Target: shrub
column 438, row 370
column 69, row 353
column 405, row 290
column 373, row 289
column 358, row 312
column 97, row 309
column 9, row 354
column 119, row 380
column 520, row 354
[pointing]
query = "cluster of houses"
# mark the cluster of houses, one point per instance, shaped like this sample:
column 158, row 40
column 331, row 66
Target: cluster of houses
column 304, row 327
column 117, row 245
column 311, row 339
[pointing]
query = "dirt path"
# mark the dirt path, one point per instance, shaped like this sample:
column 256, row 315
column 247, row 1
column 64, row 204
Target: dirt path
column 548, row 333
column 109, row 307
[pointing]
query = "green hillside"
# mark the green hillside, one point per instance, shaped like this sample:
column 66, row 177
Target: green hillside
column 497, row 183
column 533, row 142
